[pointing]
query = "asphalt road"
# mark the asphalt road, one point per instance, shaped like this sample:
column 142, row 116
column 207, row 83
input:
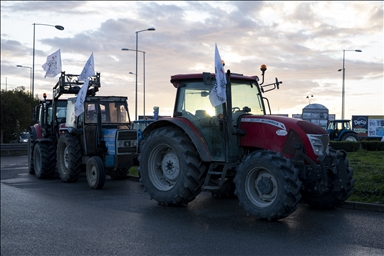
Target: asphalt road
column 48, row 217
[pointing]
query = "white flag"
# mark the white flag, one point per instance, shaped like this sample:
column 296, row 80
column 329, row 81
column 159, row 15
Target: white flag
column 88, row 70
column 218, row 93
column 53, row 64
column 79, row 105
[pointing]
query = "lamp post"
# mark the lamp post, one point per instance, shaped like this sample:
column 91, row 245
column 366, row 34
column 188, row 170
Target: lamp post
column 137, row 44
column 30, row 77
column 126, row 49
column 33, row 61
column 5, row 83
column 343, row 88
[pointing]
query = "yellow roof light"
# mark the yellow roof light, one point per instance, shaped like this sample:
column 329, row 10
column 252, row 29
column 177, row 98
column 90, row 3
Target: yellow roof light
column 263, row 67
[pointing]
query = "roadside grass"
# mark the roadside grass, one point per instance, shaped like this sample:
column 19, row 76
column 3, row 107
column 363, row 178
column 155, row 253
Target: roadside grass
column 368, row 172
column 133, row 171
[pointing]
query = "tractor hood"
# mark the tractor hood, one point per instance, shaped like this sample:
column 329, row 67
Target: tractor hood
column 283, row 134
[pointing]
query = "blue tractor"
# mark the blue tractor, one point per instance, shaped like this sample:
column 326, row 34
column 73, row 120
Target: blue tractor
column 340, row 130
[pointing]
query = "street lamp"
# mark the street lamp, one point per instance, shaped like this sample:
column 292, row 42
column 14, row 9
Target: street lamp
column 33, row 61
column 126, row 49
column 137, row 44
column 343, row 88
column 309, row 99
column 30, row 77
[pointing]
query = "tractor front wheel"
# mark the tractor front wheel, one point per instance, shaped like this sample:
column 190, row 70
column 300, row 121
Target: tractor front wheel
column 44, row 160
column 95, row 172
column 170, row 168
column 68, row 158
column 267, row 185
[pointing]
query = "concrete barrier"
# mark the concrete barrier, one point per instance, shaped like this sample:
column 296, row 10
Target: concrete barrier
column 13, row 147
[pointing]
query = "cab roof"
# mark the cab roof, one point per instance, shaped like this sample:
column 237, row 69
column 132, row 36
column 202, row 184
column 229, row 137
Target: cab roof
column 175, row 79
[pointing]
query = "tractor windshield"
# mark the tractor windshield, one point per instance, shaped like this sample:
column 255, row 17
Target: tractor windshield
column 194, row 98
column 246, row 95
column 111, row 112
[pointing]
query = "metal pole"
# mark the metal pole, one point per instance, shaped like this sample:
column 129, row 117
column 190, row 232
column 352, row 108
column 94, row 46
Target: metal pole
column 137, row 41
column 30, row 81
column 144, row 83
column 33, row 61
column 343, row 89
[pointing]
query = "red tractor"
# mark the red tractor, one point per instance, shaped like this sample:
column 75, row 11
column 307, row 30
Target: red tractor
column 269, row 162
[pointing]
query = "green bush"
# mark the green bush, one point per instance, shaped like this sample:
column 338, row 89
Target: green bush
column 349, row 146
column 372, row 145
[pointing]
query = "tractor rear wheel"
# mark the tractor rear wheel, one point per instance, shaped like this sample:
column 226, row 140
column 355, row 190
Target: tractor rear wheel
column 267, row 185
column 350, row 137
column 95, row 172
column 170, row 168
column 44, row 160
column 68, row 158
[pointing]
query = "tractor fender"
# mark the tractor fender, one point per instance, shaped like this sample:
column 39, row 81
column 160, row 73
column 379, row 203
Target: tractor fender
column 36, row 131
column 186, row 126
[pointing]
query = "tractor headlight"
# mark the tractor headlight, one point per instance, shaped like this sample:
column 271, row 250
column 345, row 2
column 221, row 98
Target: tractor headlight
column 126, row 143
column 319, row 143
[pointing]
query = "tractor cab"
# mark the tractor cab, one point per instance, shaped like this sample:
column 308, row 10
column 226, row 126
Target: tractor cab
column 193, row 103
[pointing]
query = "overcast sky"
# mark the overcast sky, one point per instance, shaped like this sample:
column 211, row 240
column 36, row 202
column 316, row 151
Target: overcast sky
column 301, row 43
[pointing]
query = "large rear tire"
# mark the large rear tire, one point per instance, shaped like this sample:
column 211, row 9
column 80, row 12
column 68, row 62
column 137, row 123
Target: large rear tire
column 95, row 172
column 170, row 168
column 334, row 197
column 267, row 185
column 68, row 158
column 44, row 160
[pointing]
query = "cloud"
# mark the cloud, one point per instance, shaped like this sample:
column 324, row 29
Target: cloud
column 300, row 42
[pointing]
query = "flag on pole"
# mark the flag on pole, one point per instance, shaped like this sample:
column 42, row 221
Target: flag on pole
column 88, row 70
column 53, row 64
column 218, row 93
column 79, row 105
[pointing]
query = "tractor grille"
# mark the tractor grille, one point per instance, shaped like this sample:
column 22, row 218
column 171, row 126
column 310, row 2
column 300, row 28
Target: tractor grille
column 127, row 141
column 127, row 135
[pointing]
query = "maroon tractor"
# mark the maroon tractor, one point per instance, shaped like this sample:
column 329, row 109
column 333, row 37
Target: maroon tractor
column 269, row 162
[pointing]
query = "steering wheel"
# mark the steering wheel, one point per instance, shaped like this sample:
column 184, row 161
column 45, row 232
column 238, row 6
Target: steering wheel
column 234, row 109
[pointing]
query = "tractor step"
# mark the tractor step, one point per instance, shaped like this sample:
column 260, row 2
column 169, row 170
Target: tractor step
column 224, row 167
column 210, row 187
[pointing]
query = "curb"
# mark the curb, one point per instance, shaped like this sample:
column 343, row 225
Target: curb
column 363, row 206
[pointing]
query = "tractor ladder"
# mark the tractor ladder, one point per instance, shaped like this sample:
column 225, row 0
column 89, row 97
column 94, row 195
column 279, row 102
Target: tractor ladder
column 216, row 170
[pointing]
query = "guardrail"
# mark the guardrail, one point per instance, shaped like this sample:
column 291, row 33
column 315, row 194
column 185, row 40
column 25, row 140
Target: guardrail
column 13, row 147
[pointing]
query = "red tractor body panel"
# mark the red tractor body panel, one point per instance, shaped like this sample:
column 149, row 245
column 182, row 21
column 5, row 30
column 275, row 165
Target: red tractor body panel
column 271, row 133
